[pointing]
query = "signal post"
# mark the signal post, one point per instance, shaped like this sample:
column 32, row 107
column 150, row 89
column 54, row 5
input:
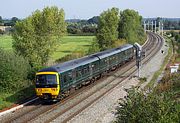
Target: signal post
column 138, row 56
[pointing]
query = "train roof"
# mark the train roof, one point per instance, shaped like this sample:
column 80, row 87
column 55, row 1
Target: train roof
column 62, row 67
column 113, row 51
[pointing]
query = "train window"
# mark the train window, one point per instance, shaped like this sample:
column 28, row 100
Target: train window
column 65, row 78
column 104, row 61
column 73, row 74
column 79, row 73
column 93, row 67
column 85, row 70
column 70, row 76
column 82, row 71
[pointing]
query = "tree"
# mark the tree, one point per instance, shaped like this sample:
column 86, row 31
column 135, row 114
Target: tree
column 36, row 36
column 14, row 71
column 107, row 31
column 89, row 29
column 130, row 26
column 93, row 20
column 14, row 20
column 1, row 20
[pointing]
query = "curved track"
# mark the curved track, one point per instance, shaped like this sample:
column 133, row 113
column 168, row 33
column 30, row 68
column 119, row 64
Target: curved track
column 71, row 106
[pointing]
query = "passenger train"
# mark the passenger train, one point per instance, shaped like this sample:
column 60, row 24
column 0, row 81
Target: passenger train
column 56, row 82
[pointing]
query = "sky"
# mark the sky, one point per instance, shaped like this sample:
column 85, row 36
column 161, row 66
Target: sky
column 85, row 9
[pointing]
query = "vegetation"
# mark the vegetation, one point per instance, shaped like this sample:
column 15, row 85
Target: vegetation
column 6, row 42
column 1, row 20
column 8, row 99
column 114, row 27
column 82, row 27
column 130, row 27
column 36, row 36
column 171, row 24
column 107, row 32
column 175, row 39
column 66, row 46
column 14, row 71
column 72, row 47
column 160, row 106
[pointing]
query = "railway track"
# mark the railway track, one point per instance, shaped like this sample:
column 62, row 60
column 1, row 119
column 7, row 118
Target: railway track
column 64, row 110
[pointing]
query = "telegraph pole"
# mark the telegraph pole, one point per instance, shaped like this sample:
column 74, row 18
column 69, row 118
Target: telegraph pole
column 152, row 26
column 162, row 29
column 159, row 27
column 138, row 56
column 155, row 27
column 144, row 26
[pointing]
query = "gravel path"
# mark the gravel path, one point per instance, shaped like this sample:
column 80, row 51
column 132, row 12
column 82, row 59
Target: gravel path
column 102, row 111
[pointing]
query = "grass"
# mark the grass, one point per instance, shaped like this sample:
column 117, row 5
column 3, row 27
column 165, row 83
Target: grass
column 67, row 45
column 177, row 59
column 6, row 42
column 11, row 98
column 70, row 44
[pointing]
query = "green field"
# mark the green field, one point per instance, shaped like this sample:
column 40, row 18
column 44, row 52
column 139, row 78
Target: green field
column 67, row 45
column 70, row 44
column 6, row 42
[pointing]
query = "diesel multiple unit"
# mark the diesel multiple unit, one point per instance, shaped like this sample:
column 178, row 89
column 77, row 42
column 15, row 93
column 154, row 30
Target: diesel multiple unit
column 57, row 81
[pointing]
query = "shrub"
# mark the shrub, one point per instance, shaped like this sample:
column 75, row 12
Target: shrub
column 75, row 55
column 94, row 48
column 140, row 107
column 14, row 71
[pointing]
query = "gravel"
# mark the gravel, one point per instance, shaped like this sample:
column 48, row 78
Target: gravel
column 102, row 111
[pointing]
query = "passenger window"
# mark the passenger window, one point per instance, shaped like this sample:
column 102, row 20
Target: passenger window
column 65, row 78
column 82, row 71
column 85, row 70
column 70, row 76
column 88, row 69
column 92, row 66
column 76, row 73
column 79, row 73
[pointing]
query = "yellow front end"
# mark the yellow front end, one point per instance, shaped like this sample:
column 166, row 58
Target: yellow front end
column 44, row 89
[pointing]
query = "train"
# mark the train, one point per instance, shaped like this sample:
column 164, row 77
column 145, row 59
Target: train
column 56, row 82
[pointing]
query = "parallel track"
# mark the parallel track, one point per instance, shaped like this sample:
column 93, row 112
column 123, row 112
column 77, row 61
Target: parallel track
column 39, row 111
column 59, row 117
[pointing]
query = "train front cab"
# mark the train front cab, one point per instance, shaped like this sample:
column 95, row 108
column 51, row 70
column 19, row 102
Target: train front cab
column 47, row 85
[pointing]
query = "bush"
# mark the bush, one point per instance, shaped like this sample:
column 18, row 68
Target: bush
column 94, row 48
column 140, row 107
column 74, row 55
column 14, row 71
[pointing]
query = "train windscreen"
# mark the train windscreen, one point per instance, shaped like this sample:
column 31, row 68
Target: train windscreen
column 46, row 80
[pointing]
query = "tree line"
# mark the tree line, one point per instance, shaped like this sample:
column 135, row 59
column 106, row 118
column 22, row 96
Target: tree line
column 116, row 26
column 82, row 27
column 74, row 26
